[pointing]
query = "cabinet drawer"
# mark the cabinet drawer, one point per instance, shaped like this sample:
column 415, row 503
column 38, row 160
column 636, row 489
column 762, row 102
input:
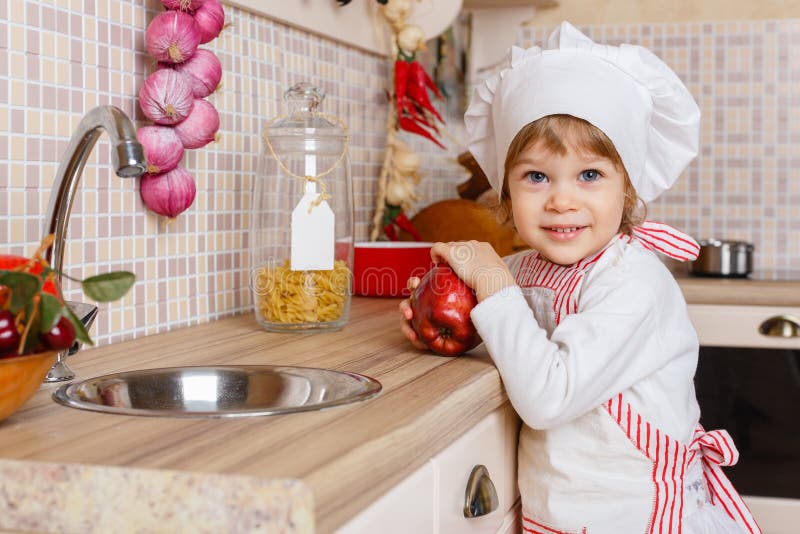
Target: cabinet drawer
column 431, row 500
column 737, row 326
column 407, row 507
column 493, row 444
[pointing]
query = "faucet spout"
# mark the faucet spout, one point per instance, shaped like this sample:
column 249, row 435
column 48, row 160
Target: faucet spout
column 128, row 159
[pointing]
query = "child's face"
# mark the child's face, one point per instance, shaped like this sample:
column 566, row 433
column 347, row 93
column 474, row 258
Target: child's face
column 566, row 206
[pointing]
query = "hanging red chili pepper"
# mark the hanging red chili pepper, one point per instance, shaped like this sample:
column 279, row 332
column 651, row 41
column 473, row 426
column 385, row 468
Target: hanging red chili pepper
column 401, row 70
column 417, row 90
column 412, row 101
column 405, row 224
column 402, row 222
column 429, row 81
column 408, row 124
column 393, row 219
column 390, row 232
column 417, row 116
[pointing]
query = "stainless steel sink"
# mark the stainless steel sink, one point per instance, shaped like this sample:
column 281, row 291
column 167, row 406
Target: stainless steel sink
column 219, row 391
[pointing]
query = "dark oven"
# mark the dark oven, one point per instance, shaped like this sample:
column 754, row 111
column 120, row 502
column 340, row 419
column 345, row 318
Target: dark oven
column 748, row 383
column 754, row 394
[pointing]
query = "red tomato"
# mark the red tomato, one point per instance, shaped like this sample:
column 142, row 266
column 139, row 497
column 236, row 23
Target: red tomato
column 9, row 261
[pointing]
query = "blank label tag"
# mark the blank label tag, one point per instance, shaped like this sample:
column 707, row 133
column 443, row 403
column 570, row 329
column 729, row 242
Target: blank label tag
column 312, row 233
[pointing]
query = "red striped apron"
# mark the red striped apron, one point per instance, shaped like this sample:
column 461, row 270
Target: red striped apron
column 670, row 457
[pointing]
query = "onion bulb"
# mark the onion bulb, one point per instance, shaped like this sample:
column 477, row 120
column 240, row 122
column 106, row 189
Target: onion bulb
column 163, row 149
column 200, row 127
column 168, row 194
column 209, row 20
column 172, row 37
column 166, row 97
column 182, row 5
column 203, row 71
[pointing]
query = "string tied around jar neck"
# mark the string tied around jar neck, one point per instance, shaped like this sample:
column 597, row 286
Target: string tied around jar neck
column 315, row 179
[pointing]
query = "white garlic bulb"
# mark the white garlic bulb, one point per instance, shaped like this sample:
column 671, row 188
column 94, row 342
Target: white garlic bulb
column 411, row 39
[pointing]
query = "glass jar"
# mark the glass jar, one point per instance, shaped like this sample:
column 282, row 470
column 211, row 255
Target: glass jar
column 301, row 224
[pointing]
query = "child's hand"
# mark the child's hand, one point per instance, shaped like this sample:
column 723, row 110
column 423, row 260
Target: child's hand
column 405, row 311
column 477, row 264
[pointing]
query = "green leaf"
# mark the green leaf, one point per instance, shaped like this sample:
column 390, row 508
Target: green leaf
column 23, row 287
column 50, row 309
column 80, row 331
column 109, row 286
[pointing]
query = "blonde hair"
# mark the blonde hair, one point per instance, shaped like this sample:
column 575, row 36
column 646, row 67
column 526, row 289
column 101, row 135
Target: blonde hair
column 556, row 133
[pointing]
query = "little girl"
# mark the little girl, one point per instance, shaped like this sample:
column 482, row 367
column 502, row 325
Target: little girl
column 589, row 331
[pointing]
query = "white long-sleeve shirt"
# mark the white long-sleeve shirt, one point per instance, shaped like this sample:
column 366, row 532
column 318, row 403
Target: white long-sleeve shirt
column 631, row 333
column 623, row 333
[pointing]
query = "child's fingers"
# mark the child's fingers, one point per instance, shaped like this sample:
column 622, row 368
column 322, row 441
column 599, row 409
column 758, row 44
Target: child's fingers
column 440, row 252
column 405, row 326
column 408, row 332
column 410, row 335
column 405, row 309
column 412, row 283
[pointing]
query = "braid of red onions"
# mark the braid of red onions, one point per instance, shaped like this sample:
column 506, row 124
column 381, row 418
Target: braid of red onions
column 173, row 98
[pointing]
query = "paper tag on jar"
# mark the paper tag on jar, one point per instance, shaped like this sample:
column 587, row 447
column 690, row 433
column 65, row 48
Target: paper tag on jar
column 312, row 233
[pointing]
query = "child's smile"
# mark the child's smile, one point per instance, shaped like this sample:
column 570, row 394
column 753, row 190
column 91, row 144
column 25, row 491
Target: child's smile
column 564, row 233
column 566, row 206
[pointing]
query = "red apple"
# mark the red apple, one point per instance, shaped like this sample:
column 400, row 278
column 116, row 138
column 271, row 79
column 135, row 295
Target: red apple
column 441, row 304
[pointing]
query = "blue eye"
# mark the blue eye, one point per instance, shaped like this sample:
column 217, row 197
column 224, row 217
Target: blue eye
column 536, row 177
column 590, row 175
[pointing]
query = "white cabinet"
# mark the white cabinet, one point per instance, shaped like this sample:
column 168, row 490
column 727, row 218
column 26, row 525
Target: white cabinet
column 408, row 507
column 431, row 500
column 738, row 326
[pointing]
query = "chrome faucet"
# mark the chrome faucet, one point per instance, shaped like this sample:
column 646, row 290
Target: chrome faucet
column 128, row 159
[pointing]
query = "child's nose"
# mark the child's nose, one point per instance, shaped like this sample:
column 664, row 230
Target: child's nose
column 561, row 199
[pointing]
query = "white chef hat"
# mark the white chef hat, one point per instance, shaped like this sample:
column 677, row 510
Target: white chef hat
column 626, row 91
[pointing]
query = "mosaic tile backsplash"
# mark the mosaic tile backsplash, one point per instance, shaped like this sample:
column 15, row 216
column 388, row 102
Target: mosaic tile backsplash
column 61, row 58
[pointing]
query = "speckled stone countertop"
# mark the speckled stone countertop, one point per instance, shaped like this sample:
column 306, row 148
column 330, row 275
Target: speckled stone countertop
column 51, row 497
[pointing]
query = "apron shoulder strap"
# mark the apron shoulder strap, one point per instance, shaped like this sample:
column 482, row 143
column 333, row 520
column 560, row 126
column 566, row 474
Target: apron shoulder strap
column 665, row 239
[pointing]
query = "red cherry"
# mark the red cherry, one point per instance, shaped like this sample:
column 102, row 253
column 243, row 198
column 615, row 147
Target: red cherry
column 61, row 336
column 9, row 337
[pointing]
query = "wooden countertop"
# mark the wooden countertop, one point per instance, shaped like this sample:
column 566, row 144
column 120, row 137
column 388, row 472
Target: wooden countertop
column 347, row 456
column 739, row 291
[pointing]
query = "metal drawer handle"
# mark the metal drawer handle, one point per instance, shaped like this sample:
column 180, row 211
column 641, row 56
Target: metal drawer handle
column 781, row 326
column 480, row 497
